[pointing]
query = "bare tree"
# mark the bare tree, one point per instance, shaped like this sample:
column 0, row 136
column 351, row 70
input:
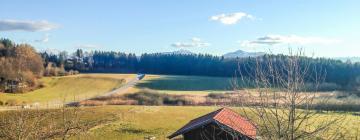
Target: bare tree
column 25, row 124
column 42, row 124
column 71, row 122
column 279, row 102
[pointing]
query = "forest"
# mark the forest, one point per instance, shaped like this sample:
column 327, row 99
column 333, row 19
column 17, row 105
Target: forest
column 21, row 65
column 338, row 75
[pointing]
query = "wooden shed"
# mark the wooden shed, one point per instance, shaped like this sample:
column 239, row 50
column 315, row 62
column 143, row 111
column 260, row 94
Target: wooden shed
column 222, row 124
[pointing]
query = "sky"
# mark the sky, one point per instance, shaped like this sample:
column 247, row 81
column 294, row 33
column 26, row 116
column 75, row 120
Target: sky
column 326, row 28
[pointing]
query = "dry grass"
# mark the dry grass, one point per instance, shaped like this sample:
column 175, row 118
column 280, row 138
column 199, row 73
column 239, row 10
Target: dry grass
column 334, row 101
column 137, row 122
column 70, row 88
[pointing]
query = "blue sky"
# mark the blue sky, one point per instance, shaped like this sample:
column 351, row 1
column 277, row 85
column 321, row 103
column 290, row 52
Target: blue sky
column 324, row 27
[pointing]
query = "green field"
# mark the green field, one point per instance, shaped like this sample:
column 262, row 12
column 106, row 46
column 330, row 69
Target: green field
column 186, row 84
column 70, row 88
column 137, row 122
column 89, row 85
column 73, row 88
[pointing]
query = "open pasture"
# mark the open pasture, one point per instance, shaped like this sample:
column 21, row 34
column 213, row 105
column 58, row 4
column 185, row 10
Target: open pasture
column 175, row 84
column 70, row 88
column 137, row 122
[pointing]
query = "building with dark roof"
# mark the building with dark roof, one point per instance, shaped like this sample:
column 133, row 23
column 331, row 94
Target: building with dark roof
column 222, row 124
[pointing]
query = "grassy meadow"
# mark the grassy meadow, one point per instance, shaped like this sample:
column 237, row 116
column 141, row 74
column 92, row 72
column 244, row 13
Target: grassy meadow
column 132, row 122
column 70, row 88
column 175, row 84
column 137, row 122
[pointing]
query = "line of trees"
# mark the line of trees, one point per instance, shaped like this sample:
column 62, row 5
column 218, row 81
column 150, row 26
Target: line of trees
column 21, row 65
column 339, row 75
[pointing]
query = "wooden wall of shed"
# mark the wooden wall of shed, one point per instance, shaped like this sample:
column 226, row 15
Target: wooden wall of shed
column 212, row 131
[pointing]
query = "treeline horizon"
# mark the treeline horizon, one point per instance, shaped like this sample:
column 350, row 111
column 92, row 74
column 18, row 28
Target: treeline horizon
column 18, row 61
column 338, row 75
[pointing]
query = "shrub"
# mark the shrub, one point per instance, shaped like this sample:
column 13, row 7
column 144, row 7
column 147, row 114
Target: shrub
column 218, row 95
column 174, row 100
column 2, row 103
column 12, row 102
column 52, row 70
column 91, row 103
column 41, row 84
column 122, row 102
column 62, row 72
column 146, row 98
column 75, row 72
column 150, row 97
column 143, row 97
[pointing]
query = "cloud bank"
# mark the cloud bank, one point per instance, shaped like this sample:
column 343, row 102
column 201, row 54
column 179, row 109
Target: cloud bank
column 195, row 42
column 26, row 25
column 231, row 18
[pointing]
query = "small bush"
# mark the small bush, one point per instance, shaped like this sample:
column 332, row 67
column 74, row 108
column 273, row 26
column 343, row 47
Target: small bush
column 122, row 102
column 174, row 100
column 143, row 97
column 91, row 103
column 218, row 95
column 41, row 84
column 146, row 98
column 2, row 103
column 52, row 70
column 75, row 72
column 149, row 97
column 12, row 102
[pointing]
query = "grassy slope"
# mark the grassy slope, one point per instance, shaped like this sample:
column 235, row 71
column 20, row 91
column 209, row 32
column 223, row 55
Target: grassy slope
column 71, row 88
column 137, row 122
column 88, row 85
column 185, row 84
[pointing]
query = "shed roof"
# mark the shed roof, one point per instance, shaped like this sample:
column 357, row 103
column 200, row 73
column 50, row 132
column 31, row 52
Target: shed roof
column 224, row 116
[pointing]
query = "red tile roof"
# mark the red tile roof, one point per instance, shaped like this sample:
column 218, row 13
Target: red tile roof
column 233, row 120
column 223, row 116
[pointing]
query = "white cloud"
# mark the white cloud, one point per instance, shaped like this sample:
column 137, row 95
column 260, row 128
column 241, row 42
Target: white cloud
column 290, row 39
column 231, row 18
column 195, row 42
column 44, row 39
column 26, row 25
column 87, row 46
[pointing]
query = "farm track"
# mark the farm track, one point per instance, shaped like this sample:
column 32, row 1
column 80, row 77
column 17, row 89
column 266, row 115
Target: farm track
column 119, row 90
column 130, row 83
column 123, row 88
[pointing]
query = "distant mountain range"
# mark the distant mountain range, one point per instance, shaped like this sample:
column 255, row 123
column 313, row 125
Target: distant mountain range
column 182, row 51
column 238, row 53
column 241, row 53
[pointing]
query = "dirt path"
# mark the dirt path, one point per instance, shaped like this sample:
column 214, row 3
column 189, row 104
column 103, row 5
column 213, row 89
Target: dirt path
column 123, row 89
